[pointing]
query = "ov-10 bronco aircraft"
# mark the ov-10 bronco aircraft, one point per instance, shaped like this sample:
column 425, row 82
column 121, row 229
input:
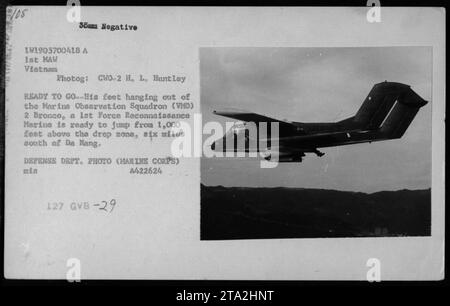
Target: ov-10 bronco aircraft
column 385, row 114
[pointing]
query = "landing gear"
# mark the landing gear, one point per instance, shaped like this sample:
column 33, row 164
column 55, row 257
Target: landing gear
column 318, row 153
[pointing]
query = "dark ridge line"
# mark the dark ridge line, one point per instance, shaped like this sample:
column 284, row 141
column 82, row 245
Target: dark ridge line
column 317, row 189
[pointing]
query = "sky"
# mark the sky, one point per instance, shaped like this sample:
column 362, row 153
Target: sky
column 319, row 85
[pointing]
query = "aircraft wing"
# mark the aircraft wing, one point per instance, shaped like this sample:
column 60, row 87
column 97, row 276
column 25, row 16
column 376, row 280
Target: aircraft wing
column 253, row 117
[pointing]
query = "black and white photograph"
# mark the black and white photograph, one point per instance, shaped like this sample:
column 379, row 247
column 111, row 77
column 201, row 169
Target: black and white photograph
column 354, row 147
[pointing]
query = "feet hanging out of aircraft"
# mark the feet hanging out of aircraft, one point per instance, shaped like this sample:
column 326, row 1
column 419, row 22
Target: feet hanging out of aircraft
column 318, row 153
column 298, row 158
